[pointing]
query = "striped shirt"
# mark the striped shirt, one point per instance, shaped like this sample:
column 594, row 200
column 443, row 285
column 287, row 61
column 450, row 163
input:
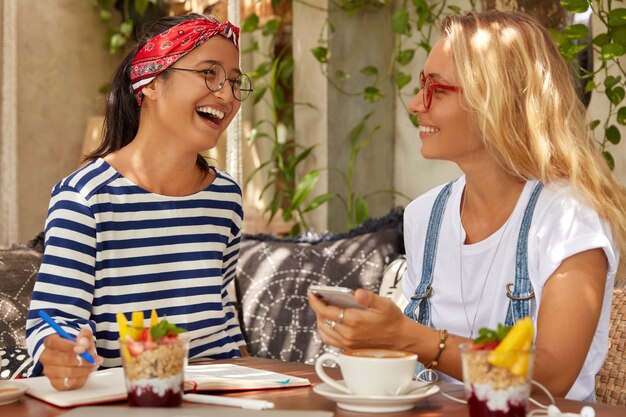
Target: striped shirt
column 111, row 246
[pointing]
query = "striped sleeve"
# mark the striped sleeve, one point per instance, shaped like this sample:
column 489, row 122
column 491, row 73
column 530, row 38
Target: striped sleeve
column 231, row 256
column 65, row 282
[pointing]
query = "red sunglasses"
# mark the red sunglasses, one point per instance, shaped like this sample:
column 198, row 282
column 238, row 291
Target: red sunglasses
column 428, row 87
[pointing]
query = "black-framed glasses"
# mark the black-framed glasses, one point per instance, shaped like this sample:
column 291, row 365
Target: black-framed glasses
column 428, row 87
column 215, row 78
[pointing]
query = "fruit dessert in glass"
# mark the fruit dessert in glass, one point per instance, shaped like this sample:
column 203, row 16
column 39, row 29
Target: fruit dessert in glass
column 497, row 370
column 154, row 360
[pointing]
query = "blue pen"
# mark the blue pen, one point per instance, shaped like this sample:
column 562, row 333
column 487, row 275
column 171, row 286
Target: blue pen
column 64, row 334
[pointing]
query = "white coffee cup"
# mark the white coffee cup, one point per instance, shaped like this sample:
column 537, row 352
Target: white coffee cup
column 370, row 371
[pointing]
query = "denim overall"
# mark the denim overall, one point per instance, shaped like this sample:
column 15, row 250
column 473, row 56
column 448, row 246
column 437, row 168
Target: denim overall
column 418, row 308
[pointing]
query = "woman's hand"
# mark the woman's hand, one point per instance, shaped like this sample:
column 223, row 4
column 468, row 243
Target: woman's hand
column 378, row 326
column 62, row 362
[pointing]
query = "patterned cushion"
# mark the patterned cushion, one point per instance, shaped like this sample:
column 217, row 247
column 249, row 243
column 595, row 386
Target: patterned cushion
column 14, row 363
column 18, row 269
column 273, row 276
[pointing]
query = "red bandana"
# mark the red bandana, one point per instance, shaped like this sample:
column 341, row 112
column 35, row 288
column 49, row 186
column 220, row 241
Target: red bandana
column 169, row 46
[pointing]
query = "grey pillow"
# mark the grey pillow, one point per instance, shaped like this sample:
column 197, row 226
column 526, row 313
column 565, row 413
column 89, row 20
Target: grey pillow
column 18, row 272
column 273, row 276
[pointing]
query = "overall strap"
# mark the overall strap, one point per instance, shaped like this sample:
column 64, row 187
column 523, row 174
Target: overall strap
column 522, row 292
column 418, row 308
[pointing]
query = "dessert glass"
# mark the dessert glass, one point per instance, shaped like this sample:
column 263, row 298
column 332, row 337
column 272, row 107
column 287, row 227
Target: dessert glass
column 154, row 370
column 493, row 391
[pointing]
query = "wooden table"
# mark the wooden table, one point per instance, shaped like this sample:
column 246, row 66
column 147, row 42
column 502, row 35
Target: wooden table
column 306, row 399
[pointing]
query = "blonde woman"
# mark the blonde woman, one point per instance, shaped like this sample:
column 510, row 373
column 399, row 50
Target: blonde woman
column 537, row 215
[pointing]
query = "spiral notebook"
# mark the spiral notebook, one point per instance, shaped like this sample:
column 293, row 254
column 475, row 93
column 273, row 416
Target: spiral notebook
column 108, row 385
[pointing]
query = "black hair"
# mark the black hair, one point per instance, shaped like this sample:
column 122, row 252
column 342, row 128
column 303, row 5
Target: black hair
column 121, row 116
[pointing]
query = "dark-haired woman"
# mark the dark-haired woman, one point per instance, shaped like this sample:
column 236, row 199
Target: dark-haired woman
column 147, row 223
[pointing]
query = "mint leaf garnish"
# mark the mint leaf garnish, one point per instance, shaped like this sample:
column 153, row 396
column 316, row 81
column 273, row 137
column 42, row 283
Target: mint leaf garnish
column 163, row 328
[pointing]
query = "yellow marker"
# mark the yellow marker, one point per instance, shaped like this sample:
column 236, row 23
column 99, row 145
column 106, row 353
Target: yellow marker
column 513, row 352
column 154, row 319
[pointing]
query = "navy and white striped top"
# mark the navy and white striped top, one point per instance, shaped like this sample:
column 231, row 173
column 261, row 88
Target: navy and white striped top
column 111, row 246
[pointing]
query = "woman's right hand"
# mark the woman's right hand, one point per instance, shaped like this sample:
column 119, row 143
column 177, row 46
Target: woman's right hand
column 62, row 362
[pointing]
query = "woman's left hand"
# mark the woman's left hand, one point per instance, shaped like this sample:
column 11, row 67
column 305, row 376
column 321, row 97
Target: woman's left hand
column 377, row 326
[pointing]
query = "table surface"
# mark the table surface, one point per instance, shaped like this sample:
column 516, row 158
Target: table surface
column 305, row 399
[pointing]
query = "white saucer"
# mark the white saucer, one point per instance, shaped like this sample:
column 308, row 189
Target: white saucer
column 377, row 403
column 11, row 391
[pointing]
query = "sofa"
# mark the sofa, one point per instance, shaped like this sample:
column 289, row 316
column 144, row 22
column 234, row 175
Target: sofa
column 272, row 278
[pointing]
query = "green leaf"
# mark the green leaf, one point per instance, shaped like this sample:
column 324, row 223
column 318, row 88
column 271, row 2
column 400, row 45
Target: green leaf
column 455, row 9
column 610, row 161
column 141, row 6
column 400, row 21
column 590, row 86
column 275, row 4
column 279, row 98
column 304, row 188
column 414, row 119
column 369, row 70
column 271, row 27
column 357, row 131
column 616, row 95
column 126, row 28
column 405, row 56
column 619, row 35
column 263, row 69
column 361, row 210
column 163, row 328
column 601, row 40
column 341, row 75
column 116, row 42
column 105, row 16
column 402, row 79
column 251, row 23
column 621, row 116
column 578, row 31
column 321, row 54
column 617, row 17
column 372, row 94
column 611, row 80
column 318, row 201
column 612, row 51
column 254, row 46
column 258, row 94
column 613, row 135
column 576, row 6
column 594, row 124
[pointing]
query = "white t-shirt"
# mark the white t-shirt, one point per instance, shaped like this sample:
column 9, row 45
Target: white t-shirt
column 561, row 227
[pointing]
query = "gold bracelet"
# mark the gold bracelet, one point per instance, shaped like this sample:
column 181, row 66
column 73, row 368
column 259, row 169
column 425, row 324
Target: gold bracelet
column 443, row 336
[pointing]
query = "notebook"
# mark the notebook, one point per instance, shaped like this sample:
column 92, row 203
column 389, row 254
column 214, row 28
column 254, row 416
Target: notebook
column 108, row 385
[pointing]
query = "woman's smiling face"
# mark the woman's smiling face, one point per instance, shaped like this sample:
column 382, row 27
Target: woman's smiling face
column 447, row 129
column 185, row 108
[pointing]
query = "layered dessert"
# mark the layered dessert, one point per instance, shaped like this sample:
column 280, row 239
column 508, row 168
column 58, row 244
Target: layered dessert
column 497, row 370
column 154, row 361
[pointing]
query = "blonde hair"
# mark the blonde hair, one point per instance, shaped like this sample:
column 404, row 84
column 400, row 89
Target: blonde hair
column 522, row 92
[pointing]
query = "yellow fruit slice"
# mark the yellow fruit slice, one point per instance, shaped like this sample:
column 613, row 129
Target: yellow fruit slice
column 154, row 319
column 137, row 328
column 122, row 324
column 513, row 352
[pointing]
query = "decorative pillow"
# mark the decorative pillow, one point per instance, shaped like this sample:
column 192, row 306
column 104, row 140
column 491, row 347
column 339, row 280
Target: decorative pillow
column 390, row 286
column 14, row 363
column 273, row 277
column 18, row 269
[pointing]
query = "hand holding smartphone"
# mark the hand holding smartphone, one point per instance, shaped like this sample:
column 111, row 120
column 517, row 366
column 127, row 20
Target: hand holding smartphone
column 337, row 296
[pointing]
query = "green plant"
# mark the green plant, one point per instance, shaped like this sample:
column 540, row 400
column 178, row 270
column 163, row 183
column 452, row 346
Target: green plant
column 609, row 43
column 132, row 12
column 291, row 192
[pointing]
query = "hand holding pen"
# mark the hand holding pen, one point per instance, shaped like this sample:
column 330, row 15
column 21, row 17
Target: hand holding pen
column 66, row 359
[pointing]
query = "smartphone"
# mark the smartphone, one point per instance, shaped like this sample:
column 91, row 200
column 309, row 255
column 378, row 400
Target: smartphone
column 336, row 296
